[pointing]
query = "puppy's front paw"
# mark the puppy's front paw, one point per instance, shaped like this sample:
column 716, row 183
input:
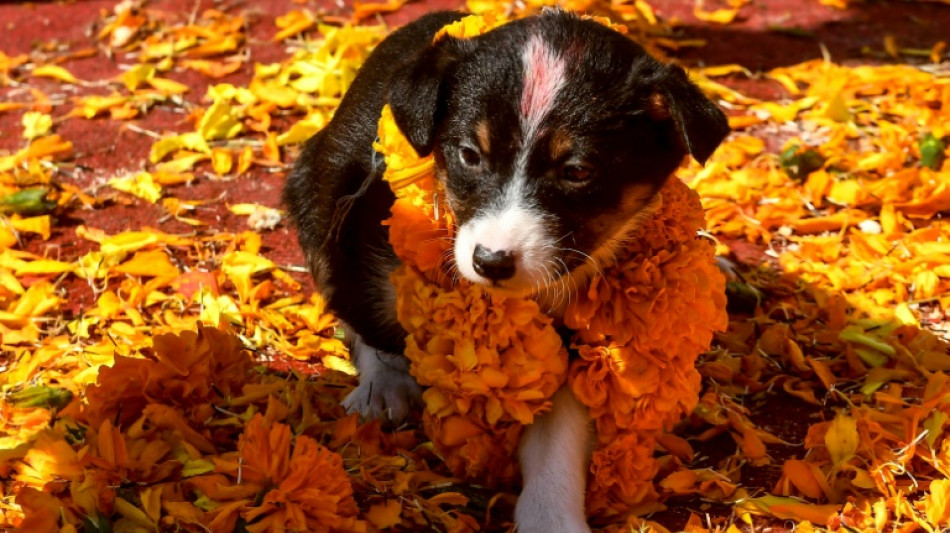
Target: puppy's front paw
column 384, row 392
column 538, row 511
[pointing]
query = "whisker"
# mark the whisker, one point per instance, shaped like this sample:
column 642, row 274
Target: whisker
column 548, row 288
column 446, row 259
column 558, row 241
column 565, row 278
column 587, row 259
column 561, row 272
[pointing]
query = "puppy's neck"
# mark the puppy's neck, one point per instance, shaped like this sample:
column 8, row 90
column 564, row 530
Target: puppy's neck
column 554, row 301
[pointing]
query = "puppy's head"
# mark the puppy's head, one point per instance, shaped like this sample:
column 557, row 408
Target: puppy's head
column 551, row 135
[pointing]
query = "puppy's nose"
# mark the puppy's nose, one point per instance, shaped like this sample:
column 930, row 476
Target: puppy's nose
column 495, row 266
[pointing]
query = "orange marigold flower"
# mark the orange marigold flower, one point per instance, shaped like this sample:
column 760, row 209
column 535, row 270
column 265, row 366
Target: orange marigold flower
column 189, row 370
column 496, row 358
column 314, row 495
column 621, row 475
column 416, row 238
column 301, row 485
column 421, row 224
column 136, row 455
column 50, row 459
column 41, row 512
column 641, row 324
column 473, row 449
column 119, row 391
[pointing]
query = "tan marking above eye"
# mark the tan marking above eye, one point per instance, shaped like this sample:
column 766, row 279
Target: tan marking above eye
column 481, row 135
column 658, row 108
column 561, row 145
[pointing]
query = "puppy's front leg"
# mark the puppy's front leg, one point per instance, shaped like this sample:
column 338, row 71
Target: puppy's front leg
column 386, row 389
column 554, row 454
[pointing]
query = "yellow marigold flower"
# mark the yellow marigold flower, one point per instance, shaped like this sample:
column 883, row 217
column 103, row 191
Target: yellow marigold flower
column 17, row 426
column 471, row 26
column 404, row 167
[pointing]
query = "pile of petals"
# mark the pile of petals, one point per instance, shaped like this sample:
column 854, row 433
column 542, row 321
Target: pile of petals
column 185, row 433
column 491, row 363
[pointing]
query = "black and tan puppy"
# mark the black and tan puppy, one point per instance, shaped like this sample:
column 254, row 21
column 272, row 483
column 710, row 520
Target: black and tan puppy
column 551, row 134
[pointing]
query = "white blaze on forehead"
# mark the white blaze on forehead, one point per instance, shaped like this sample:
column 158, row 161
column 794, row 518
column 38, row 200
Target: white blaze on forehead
column 543, row 78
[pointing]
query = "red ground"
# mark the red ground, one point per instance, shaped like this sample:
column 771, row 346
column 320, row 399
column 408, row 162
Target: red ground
column 768, row 34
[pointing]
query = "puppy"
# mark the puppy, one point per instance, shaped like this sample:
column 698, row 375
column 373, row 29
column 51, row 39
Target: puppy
column 551, row 135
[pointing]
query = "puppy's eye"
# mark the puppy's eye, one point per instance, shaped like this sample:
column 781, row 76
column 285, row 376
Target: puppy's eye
column 469, row 156
column 577, row 174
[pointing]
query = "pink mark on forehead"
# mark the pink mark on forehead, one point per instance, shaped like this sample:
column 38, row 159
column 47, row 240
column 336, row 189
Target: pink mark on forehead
column 543, row 77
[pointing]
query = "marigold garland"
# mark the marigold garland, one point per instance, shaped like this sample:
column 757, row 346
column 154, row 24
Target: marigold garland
column 490, row 364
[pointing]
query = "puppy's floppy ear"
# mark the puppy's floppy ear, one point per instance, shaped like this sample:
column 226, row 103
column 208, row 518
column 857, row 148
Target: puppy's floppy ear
column 699, row 123
column 415, row 90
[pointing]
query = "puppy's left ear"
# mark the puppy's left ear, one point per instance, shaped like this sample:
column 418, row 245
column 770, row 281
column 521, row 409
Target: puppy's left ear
column 700, row 124
column 415, row 93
